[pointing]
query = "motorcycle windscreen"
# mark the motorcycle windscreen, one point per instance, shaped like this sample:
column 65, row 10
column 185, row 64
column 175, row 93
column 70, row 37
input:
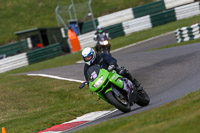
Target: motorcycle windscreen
column 93, row 72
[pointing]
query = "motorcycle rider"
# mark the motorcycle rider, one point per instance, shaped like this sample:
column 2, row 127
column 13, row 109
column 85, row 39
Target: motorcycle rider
column 97, row 35
column 107, row 62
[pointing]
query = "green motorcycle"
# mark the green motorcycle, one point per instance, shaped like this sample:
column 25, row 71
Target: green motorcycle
column 109, row 87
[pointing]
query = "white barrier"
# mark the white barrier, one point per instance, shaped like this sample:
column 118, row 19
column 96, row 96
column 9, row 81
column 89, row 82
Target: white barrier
column 137, row 24
column 115, row 18
column 141, row 23
column 174, row 3
column 13, row 62
column 187, row 10
column 188, row 33
column 86, row 40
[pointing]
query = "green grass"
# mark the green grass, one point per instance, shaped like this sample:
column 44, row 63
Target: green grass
column 31, row 104
column 180, row 116
column 17, row 15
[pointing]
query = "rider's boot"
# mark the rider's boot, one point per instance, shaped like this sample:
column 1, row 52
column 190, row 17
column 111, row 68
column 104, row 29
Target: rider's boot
column 124, row 72
column 137, row 85
column 134, row 81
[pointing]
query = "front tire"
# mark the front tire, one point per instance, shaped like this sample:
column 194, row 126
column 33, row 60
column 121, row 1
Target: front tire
column 143, row 98
column 119, row 104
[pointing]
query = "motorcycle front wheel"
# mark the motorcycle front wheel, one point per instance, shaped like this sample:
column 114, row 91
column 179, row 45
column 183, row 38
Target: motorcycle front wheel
column 120, row 103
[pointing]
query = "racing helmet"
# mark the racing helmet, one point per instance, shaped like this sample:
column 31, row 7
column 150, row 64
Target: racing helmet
column 89, row 55
column 99, row 29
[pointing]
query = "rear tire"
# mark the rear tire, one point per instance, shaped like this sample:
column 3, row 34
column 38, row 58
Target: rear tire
column 112, row 98
column 143, row 98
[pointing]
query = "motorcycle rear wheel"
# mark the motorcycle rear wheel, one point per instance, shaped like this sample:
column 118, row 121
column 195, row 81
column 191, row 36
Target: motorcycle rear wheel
column 143, row 98
column 122, row 104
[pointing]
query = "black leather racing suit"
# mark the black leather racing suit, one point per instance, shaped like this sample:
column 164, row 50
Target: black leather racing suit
column 107, row 60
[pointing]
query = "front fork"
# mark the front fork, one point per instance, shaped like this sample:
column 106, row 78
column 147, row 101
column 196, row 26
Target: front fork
column 114, row 90
column 117, row 93
column 131, row 100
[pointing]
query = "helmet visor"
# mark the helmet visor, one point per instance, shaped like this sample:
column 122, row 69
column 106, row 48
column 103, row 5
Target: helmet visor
column 88, row 58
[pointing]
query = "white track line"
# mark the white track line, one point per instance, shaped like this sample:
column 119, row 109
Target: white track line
column 56, row 77
column 92, row 116
column 103, row 115
column 87, row 118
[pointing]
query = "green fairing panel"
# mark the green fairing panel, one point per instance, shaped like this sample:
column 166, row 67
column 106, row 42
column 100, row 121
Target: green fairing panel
column 103, row 73
column 113, row 77
column 116, row 79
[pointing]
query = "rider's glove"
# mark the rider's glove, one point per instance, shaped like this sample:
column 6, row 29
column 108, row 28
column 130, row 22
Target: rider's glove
column 111, row 67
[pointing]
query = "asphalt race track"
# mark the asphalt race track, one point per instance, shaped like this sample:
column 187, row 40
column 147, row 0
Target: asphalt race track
column 166, row 74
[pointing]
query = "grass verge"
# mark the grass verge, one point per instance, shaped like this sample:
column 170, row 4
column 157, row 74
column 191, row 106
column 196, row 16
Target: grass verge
column 31, row 104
